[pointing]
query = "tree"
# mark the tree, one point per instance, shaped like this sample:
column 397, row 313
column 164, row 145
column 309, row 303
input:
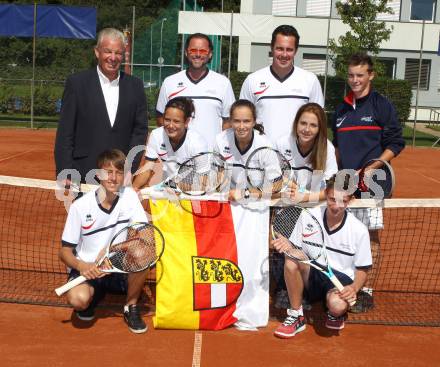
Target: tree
column 366, row 32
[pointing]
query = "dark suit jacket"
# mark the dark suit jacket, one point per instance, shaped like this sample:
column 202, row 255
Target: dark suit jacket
column 84, row 129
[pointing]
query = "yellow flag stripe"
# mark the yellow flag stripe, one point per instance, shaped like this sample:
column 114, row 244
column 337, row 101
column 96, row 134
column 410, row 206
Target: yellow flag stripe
column 174, row 292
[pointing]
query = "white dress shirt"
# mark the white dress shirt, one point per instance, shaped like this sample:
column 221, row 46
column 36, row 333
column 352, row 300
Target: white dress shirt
column 110, row 89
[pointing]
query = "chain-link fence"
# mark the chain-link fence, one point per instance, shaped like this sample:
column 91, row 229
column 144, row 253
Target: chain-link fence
column 16, row 102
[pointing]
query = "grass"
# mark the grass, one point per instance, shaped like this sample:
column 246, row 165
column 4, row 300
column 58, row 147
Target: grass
column 433, row 127
column 422, row 139
column 24, row 120
column 24, row 124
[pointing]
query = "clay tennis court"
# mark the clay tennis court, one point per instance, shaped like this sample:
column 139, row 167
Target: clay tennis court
column 43, row 335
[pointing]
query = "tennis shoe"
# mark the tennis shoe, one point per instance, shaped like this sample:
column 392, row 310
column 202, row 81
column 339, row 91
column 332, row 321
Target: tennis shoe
column 133, row 318
column 291, row 326
column 86, row 315
column 335, row 323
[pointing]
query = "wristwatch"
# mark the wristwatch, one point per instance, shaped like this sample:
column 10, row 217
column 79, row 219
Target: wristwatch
column 247, row 193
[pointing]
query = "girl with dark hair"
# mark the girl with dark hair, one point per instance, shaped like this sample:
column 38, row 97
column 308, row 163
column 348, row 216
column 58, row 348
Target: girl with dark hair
column 172, row 143
column 238, row 142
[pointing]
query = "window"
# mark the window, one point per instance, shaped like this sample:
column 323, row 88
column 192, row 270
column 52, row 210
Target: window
column 438, row 82
column 318, row 8
column 422, row 10
column 412, row 73
column 314, row 63
column 389, row 67
column 395, row 15
column 284, row 7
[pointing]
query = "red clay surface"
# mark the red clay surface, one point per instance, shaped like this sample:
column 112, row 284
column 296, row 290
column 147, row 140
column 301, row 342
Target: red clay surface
column 48, row 336
column 27, row 153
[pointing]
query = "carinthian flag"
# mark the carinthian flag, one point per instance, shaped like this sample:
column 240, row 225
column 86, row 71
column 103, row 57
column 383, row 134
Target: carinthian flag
column 214, row 270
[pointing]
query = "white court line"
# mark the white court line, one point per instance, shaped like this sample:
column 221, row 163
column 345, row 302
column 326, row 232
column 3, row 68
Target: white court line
column 197, row 351
column 16, row 155
column 421, row 174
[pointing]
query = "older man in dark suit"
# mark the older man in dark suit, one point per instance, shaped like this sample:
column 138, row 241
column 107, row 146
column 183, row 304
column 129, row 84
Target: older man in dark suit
column 102, row 108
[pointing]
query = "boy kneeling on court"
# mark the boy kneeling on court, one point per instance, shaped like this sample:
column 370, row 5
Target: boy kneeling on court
column 349, row 255
column 92, row 222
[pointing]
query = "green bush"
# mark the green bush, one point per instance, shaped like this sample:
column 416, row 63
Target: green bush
column 45, row 101
column 336, row 90
column 5, row 97
column 45, row 98
column 397, row 91
column 152, row 95
column 237, row 78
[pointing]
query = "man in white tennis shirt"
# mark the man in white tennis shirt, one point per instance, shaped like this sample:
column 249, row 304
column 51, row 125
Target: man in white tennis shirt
column 211, row 92
column 279, row 90
column 349, row 255
column 92, row 222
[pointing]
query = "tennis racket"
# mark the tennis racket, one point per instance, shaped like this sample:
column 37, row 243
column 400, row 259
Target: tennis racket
column 134, row 248
column 268, row 170
column 202, row 174
column 376, row 177
column 306, row 237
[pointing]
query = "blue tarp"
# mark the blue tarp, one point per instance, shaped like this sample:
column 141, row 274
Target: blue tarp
column 52, row 21
column 16, row 20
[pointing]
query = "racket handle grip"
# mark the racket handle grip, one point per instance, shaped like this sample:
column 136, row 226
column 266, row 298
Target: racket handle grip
column 340, row 287
column 69, row 285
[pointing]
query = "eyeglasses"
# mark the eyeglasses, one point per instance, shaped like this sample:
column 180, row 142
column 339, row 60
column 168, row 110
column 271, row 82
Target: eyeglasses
column 200, row 51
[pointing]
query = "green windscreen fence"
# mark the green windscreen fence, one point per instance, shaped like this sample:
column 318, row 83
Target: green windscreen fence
column 158, row 50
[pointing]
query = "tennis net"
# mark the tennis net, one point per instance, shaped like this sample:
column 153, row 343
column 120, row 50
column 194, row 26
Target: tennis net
column 405, row 234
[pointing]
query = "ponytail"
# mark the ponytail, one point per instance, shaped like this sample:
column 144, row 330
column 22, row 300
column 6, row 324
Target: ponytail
column 259, row 128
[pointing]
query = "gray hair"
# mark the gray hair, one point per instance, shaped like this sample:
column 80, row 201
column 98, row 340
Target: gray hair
column 112, row 33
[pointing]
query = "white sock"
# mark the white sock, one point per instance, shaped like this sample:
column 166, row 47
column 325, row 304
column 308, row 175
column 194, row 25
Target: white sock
column 296, row 313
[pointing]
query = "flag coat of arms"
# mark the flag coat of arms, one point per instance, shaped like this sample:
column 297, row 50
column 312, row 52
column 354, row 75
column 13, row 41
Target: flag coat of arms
column 214, row 271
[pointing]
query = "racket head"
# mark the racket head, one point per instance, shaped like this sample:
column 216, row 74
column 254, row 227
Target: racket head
column 378, row 182
column 136, row 248
column 202, row 174
column 268, row 170
column 303, row 231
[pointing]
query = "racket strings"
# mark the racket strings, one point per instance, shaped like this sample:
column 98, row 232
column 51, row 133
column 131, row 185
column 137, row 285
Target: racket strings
column 136, row 253
column 201, row 174
column 312, row 249
column 285, row 219
column 301, row 229
column 268, row 171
